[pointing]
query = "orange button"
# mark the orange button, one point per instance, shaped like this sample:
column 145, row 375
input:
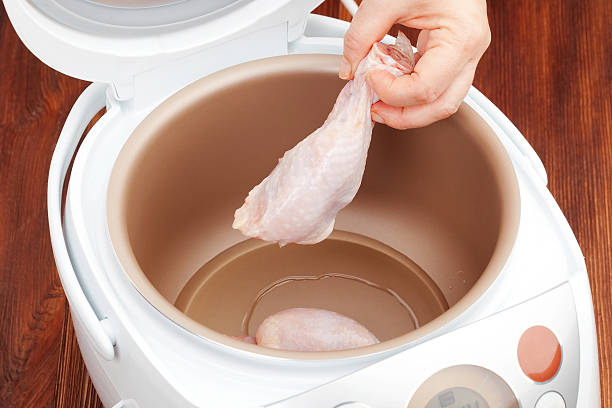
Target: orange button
column 539, row 353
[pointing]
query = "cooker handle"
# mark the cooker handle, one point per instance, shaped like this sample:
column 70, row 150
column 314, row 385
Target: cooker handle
column 87, row 105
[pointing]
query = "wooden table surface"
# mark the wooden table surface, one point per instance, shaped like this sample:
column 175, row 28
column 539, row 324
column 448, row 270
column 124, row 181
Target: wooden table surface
column 549, row 68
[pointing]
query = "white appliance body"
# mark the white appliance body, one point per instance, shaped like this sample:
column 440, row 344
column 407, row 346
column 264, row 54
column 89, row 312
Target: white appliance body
column 139, row 358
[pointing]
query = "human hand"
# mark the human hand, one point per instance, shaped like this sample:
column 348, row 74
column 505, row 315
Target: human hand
column 454, row 36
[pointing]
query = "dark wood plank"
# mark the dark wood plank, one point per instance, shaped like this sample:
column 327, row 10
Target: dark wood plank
column 34, row 102
column 549, row 69
column 335, row 9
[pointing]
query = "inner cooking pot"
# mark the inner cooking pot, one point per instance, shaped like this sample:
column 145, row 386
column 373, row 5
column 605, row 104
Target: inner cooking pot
column 429, row 230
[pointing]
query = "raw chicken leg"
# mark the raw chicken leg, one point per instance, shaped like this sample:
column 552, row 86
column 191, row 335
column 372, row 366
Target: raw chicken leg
column 299, row 200
column 302, row 329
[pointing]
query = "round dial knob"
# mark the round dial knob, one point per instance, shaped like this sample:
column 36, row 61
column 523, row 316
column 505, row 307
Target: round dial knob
column 464, row 386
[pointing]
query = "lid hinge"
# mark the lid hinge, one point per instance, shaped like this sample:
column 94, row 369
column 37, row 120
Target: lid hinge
column 150, row 87
column 123, row 88
column 296, row 28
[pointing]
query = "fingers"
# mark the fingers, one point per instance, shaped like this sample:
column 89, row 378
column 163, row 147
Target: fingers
column 370, row 24
column 433, row 74
column 424, row 114
column 451, row 42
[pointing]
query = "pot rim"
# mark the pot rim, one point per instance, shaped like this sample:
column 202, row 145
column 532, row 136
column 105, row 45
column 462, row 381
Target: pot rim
column 319, row 63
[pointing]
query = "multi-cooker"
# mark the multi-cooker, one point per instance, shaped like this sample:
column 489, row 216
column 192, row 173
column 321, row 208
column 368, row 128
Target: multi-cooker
column 453, row 253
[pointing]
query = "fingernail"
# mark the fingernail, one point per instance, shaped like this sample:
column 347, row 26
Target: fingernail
column 377, row 118
column 345, row 69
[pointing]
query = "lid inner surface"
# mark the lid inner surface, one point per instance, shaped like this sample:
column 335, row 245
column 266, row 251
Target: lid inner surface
column 96, row 15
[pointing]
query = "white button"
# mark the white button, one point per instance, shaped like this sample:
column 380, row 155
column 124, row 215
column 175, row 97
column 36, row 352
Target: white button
column 550, row 400
column 352, row 405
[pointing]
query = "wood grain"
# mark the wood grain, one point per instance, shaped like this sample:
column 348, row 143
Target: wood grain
column 549, row 69
column 40, row 365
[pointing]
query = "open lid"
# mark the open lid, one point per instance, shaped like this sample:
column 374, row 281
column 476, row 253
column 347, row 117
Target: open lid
column 113, row 40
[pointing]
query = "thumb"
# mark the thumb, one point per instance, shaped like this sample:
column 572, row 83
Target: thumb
column 381, row 82
column 370, row 24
